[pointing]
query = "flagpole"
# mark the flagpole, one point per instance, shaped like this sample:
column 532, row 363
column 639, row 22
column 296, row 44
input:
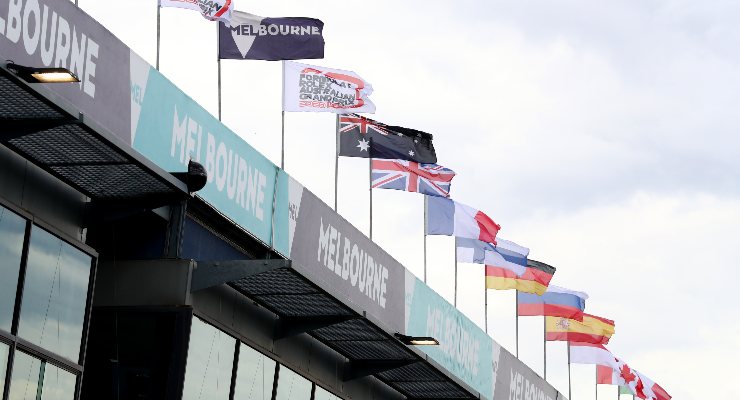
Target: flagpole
column 336, row 165
column 516, row 313
column 282, row 130
column 544, row 344
column 596, row 385
column 485, row 304
column 569, row 388
column 455, row 295
column 426, row 225
column 370, row 178
column 159, row 7
column 218, row 62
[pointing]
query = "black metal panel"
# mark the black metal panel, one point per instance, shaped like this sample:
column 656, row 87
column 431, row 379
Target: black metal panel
column 16, row 103
column 66, row 144
column 352, row 330
column 113, row 181
column 372, row 350
column 303, row 305
column 431, row 390
column 280, row 281
column 412, row 373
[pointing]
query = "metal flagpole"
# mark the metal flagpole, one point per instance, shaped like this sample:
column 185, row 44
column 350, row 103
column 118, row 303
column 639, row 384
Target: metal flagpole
column 336, row 165
column 370, row 176
column 569, row 388
column 596, row 385
column 282, row 131
column 426, row 225
column 485, row 304
column 218, row 62
column 159, row 7
column 544, row 344
column 455, row 296
column 516, row 313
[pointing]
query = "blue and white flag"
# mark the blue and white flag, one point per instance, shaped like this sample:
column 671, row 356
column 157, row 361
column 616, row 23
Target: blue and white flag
column 505, row 254
column 250, row 37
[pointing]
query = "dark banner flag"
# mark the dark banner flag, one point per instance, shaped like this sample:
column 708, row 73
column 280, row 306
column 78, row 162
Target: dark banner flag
column 363, row 137
column 250, row 37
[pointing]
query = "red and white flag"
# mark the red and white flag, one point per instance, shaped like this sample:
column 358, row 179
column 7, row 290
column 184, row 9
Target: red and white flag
column 321, row 89
column 448, row 217
column 214, row 10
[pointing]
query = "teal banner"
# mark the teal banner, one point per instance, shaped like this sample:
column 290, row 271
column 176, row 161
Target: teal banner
column 170, row 128
column 464, row 349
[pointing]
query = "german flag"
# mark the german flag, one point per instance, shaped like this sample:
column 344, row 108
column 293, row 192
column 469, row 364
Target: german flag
column 535, row 279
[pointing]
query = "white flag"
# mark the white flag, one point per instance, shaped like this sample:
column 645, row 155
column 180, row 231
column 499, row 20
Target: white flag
column 320, row 89
column 214, row 10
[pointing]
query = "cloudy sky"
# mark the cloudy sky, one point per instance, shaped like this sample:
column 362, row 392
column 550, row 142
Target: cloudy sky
column 601, row 136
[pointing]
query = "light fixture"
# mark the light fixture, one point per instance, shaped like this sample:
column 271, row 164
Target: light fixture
column 417, row 340
column 43, row 75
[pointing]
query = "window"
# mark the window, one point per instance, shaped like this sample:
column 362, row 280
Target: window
column 32, row 376
column 322, row 394
column 54, row 294
column 255, row 375
column 4, row 349
column 12, row 231
column 210, row 363
column 292, row 386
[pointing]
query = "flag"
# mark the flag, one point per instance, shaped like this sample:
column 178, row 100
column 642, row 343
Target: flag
column 593, row 329
column 321, row 89
column 591, row 353
column 555, row 302
column 214, row 10
column 535, row 279
column 505, row 254
column 448, row 217
column 649, row 390
column 252, row 37
column 429, row 179
column 364, row 137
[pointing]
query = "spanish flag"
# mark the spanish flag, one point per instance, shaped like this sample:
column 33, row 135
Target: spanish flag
column 593, row 329
column 535, row 279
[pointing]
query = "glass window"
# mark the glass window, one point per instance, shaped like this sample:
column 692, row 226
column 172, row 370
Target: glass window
column 292, row 386
column 12, row 231
column 32, row 377
column 210, row 362
column 322, row 394
column 254, row 376
column 54, row 294
column 3, row 364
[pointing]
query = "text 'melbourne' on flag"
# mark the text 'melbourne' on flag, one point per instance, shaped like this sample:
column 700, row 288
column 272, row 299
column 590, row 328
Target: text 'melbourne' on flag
column 252, row 37
column 367, row 138
column 555, row 302
column 428, row 179
column 448, row 217
column 214, row 10
column 321, row 89
column 592, row 329
column 535, row 279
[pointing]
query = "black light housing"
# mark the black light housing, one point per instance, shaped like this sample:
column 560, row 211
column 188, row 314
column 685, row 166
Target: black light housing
column 43, row 75
column 417, row 340
column 196, row 177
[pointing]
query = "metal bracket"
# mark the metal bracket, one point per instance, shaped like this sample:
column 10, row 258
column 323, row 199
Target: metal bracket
column 362, row 368
column 292, row 326
column 213, row 273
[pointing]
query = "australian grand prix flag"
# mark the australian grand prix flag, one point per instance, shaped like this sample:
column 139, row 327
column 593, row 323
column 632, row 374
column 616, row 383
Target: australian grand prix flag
column 364, row 137
column 252, row 37
column 214, row 10
column 321, row 89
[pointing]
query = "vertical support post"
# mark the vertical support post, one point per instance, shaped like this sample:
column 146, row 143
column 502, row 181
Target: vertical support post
column 282, row 130
column 516, row 313
column 218, row 63
column 426, row 226
column 370, row 186
column 336, row 165
column 485, row 305
column 454, row 303
column 174, row 236
column 159, row 7
column 596, row 384
column 544, row 345
column 569, row 383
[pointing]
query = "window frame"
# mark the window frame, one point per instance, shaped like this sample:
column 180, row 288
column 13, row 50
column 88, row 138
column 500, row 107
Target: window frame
column 12, row 339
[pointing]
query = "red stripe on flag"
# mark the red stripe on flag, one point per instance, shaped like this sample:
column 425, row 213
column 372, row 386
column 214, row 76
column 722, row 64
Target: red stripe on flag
column 604, row 375
column 604, row 320
column 552, row 310
column 488, row 228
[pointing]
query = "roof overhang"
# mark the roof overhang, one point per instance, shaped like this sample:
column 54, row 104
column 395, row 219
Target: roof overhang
column 51, row 133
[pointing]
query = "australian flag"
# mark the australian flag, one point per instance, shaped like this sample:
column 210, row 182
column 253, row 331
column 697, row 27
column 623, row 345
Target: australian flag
column 363, row 137
column 429, row 179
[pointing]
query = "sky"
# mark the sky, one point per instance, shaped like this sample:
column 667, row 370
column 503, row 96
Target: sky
column 602, row 136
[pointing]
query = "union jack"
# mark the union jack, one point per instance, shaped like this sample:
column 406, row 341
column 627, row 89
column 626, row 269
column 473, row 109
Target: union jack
column 351, row 121
column 429, row 179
